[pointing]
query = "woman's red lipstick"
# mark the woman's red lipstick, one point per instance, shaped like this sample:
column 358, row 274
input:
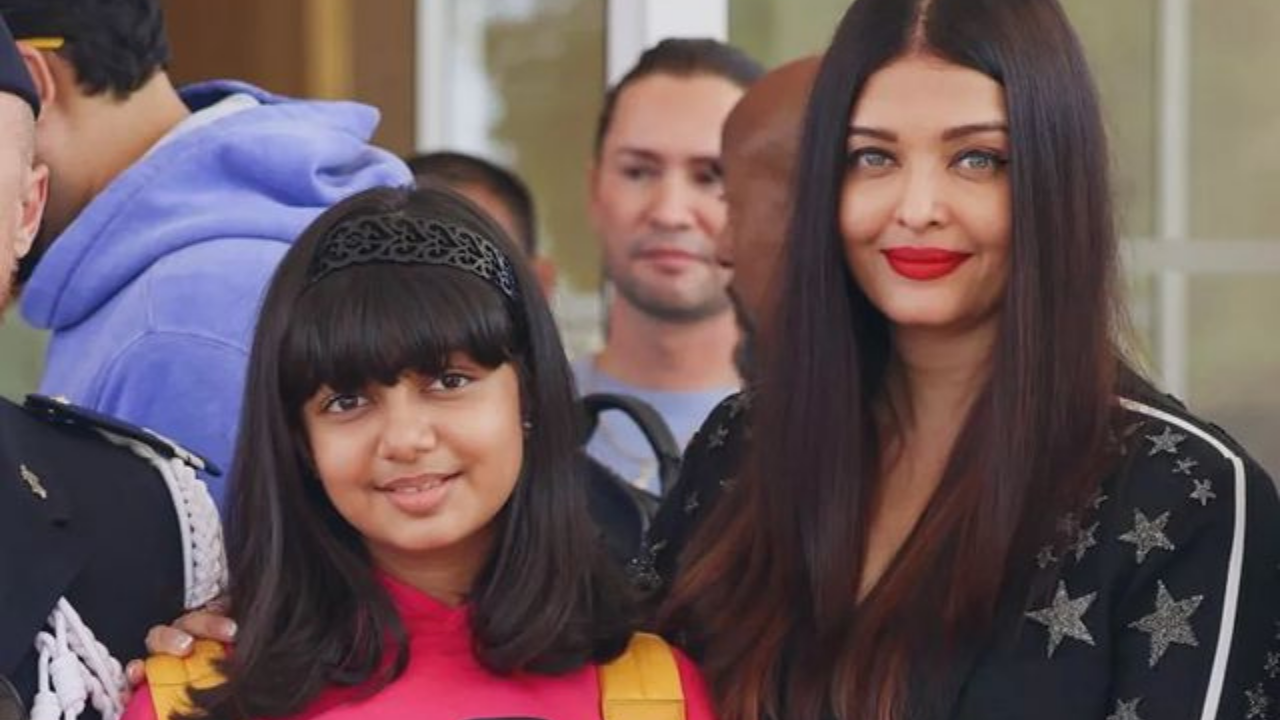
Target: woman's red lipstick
column 924, row 263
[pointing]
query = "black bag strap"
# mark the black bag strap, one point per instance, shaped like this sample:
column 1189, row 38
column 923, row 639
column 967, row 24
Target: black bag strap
column 621, row 511
column 652, row 426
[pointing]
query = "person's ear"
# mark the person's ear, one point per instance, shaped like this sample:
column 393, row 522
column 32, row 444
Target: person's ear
column 37, row 62
column 31, row 213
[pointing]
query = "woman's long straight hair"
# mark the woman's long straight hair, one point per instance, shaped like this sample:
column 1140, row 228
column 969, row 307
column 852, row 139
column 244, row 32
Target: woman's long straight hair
column 311, row 611
column 769, row 586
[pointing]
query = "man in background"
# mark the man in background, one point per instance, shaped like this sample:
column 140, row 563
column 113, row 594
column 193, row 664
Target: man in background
column 656, row 204
column 499, row 192
column 168, row 212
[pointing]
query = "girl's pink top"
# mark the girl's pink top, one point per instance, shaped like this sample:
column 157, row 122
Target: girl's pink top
column 444, row 681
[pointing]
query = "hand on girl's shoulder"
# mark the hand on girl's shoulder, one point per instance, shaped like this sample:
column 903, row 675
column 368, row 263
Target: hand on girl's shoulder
column 169, row 679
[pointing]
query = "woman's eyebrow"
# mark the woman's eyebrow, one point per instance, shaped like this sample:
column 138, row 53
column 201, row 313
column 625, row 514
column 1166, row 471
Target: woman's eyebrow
column 975, row 128
column 877, row 133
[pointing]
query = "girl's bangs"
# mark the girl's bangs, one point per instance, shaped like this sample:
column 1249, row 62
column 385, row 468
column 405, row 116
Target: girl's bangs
column 372, row 324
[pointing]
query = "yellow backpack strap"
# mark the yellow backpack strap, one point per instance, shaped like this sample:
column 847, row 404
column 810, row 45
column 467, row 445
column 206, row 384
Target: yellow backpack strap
column 643, row 683
column 170, row 678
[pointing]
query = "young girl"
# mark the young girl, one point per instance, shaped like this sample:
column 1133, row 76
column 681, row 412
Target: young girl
column 406, row 535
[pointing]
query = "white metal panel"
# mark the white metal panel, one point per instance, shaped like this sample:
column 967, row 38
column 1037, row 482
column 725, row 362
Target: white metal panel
column 633, row 25
column 432, row 76
column 1173, row 198
column 456, row 101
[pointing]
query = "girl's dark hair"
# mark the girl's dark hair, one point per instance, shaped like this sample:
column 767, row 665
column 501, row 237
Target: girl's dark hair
column 769, row 586
column 310, row 608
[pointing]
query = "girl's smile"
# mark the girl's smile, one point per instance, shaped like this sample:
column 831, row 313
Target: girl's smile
column 421, row 468
column 419, row 494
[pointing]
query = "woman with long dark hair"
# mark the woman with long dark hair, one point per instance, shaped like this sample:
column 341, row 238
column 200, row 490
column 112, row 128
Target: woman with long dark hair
column 958, row 500
column 407, row 535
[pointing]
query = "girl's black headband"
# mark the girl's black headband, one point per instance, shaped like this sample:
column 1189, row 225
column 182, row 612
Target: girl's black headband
column 400, row 239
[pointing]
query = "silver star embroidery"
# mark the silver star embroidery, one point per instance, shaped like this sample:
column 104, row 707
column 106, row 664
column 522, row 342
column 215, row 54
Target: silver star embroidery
column 1097, row 500
column 1184, row 466
column 1147, row 535
column 1203, row 492
column 1273, row 665
column 1065, row 617
column 1277, row 630
column 1045, row 557
column 1126, row 710
column 718, row 437
column 1166, row 441
column 1084, row 540
column 691, row 504
column 1257, row 701
column 728, row 484
column 1170, row 623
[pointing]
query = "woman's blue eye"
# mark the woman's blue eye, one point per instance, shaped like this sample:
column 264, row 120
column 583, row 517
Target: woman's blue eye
column 980, row 161
column 870, row 158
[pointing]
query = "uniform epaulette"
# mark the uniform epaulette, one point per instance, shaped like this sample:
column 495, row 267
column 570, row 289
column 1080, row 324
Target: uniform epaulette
column 60, row 411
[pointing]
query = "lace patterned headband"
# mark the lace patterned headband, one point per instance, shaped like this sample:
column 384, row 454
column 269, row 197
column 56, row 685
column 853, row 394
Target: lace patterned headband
column 397, row 238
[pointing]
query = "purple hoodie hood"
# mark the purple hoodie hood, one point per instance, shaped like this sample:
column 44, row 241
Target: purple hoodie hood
column 288, row 159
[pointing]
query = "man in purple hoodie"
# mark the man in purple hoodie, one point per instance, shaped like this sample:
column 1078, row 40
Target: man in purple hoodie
column 168, row 211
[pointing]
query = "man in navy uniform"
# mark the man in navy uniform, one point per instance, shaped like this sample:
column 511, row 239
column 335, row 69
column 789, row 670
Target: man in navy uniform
column 104, row 528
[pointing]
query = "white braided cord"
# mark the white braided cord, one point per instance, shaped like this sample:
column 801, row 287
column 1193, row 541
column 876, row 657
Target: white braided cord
column 203, row 554
column 74, row 670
